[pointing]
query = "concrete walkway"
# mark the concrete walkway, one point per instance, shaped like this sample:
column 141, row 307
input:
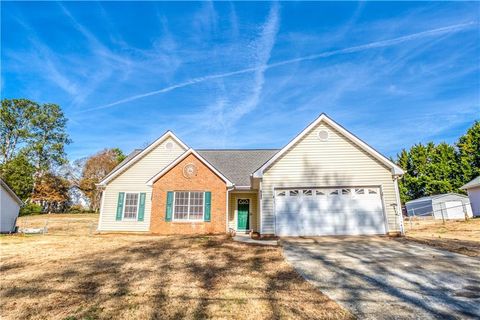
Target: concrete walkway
column 247, row 239
column 381, row 278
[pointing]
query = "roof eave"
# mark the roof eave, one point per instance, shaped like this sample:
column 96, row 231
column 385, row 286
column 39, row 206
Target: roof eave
column 139, row 155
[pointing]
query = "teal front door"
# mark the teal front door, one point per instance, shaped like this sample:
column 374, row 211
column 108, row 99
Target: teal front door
column 243, row 209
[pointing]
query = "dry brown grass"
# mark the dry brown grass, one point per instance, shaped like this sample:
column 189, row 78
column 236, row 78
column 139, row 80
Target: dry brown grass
column 149, row 277
column 72, row 224
column 456, row 236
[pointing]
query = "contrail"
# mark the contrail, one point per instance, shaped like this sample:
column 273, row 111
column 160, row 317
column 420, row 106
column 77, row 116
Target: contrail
column 372, row 45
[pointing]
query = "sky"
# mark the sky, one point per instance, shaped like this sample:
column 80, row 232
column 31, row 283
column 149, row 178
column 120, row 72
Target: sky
column 245, row 74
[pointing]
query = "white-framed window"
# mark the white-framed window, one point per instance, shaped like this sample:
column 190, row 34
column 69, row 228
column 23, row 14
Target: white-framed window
column 293, row 193
column 307, row 192
column 188, row 205
column 130, row 209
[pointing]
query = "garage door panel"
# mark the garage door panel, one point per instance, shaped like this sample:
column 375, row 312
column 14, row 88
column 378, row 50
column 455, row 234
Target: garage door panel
column 329, row 212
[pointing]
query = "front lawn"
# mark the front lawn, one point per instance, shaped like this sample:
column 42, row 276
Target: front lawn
column 149, row 277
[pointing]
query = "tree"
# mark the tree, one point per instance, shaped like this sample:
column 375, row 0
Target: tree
column 95, row 169
column 469, row 153
column 48, row 138
column 51, row 192
column 15, row 126
column 33, row 137
column 18, row 174
column 434, row 169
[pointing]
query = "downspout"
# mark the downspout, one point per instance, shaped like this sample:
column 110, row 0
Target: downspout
column 398, row 207
column 228, row 207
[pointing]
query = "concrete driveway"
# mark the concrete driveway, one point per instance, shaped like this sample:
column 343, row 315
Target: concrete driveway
column 382, row 278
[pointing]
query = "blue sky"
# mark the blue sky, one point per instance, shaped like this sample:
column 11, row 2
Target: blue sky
column 245, row 75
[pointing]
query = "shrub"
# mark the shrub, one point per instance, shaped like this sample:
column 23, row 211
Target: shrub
column 30, row 209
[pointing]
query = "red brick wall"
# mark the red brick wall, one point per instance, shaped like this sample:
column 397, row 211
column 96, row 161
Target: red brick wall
column 174, row 180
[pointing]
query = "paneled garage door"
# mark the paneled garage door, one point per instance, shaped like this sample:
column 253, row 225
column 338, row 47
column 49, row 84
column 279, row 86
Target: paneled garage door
column 329, row 211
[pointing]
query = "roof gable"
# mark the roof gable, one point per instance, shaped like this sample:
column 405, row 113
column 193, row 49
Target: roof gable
column 138, row 154
column 396, row 170
column 183, row 156
column 472, row 184
column 10, row 192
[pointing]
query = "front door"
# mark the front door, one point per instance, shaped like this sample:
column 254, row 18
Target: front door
column 243, row 209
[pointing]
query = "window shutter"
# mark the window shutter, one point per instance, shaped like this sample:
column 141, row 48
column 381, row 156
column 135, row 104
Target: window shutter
column 208, row 204
column 168, row 213
column 121, row 197
column 141, row 206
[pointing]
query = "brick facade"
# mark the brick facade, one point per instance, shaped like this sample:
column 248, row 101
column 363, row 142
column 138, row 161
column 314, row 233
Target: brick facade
column 203, row 180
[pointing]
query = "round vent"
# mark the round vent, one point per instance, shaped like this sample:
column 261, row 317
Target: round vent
column 189, row 171
column 169, row 145
column 323, row 135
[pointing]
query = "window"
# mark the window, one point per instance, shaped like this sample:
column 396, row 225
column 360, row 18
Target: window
column 345, row 191
column 281, row 194
column 293, row 193
column 360, row 191
column 130, row 209
column 372, row 191
column 319, row 193
column 188, row 205
column 334, row 192
column 307, row 192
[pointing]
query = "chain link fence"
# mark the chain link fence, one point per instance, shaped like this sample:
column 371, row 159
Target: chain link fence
column 418, row 217
column 52, row 224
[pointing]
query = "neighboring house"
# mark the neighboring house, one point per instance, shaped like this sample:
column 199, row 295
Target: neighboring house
column 78, row 198
column 440, row 206
column 473, row 190
column 326, row 181
column 9, row 208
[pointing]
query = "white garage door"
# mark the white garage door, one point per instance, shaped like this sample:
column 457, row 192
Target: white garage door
column 329, row 211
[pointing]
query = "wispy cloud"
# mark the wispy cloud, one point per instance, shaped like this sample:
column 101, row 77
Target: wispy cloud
column 326, row 54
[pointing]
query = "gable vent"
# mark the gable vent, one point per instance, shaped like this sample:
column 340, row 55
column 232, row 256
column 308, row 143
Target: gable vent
column 323, row 135
column 169, row 145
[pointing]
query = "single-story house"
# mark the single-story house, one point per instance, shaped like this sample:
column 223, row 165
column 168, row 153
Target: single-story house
column 440, row 206
column 10, row 205
column 473, row 190
column 325, row 181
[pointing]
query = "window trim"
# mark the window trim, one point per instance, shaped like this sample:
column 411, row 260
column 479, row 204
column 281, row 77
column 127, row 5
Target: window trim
column 188, row 213
column 124, row 205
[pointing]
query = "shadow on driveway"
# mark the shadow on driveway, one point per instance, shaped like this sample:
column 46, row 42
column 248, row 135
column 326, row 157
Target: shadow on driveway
column 381, row 278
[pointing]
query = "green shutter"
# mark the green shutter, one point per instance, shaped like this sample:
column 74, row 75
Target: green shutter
column 121, row 197
column 208, row 205
column 141, row 207
column 168, row 213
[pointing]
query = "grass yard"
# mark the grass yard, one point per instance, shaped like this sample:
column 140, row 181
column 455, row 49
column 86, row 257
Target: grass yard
column 68, row 224
column 149, row 277
column 456, row 236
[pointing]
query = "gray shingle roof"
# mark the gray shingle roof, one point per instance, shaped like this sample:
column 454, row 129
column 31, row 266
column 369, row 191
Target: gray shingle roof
column 237, row 165
column 472, row 184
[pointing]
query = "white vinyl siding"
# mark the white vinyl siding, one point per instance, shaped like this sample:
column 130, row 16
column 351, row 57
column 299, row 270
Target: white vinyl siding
column 336, row 162
column 134, row 180
column 9, row 209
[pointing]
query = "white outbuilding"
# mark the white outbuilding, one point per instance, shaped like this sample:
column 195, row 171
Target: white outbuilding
column 473, row 190
column 441, row 206
column 9, row 208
